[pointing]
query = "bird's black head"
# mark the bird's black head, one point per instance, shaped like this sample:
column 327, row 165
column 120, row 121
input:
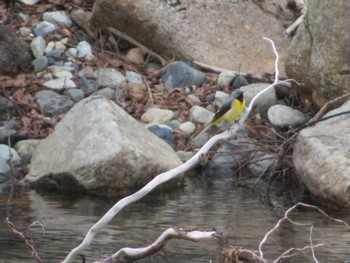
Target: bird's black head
column 239, row 95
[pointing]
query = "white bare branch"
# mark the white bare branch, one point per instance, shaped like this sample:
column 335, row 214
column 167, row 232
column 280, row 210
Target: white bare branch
column 302, row 8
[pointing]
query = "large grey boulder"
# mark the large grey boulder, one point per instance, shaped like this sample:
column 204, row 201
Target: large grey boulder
column 99, row 148
column 227, row 34
column 322, row 158
column 319, row 54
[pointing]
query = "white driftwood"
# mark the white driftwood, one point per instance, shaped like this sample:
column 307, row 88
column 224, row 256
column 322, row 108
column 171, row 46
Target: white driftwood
column 301, row 6
column 167, row 176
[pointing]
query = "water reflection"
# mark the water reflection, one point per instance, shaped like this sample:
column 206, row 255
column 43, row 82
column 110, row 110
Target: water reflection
column 233, row 210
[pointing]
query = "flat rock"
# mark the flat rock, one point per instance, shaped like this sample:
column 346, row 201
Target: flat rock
column 283, row 116
column 58, row 17
column 99, row 148
column 109, row 77
column 60, row 83
column 52, row 103
column 155, row 115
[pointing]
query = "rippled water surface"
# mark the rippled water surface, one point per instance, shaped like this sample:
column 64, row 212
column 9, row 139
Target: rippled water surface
column 233, row 210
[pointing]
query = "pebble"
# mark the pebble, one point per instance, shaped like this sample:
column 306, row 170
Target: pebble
column 239, row 81
column 184, row 156
column 40, row 63
column 174, row 124
column 88, row 85
column 135, row 80
column 22, row 18
column 188, row 128
column 225, row 78
column 24, row 31
column 282, row 116
column 83, row 49
column 59, row 45
column 210, row 97
column 5, row 154
column 180, row 74
column 52, row 103
column 155, row 115
column 164, row 132
column 7, row 109
column 220, row 98
column 86, row 72
column 135, row 56
column 26, row 148
column 60, row 83
column 50, row 46
column 55, row 53
column 63, row 74
column 38, row 46
column 5, row 170
column 48, row 76
column 194, row 99
column 71, row 52
column 59, row 17
column 109, row 77
column 43, row 29
column 75, row 94
column 200, row 115
column 54, row 69
column 109, row 93
column 90, row 58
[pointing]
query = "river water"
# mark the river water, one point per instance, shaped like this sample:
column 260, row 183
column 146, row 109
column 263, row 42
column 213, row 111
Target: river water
column 242, row 215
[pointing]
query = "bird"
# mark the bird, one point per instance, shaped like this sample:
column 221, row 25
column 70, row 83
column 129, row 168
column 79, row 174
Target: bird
column 230, row 110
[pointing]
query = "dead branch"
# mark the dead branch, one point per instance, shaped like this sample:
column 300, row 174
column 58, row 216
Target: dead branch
column 286, row 218
column 302, row 8
column 126, row 255
column 136, row 43
column 13, row 228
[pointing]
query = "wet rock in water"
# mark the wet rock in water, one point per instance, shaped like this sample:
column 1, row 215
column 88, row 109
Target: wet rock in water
column 60, row 83
column 283, row 116
column 225, row 78
column 201, row 115
column 321, row 158
column 43, row 29
column 264, row 102
column 100, row 149
column 7, row 109
column 180, row 74
column 109, row 77
column 5, row 171
column 164, row 132
column 239, row 81
column 58, row 17
column 26, row 148
column 52, row 103
column 5, row 154
column 13, row 58
column 155, row 115
column 38, row 46
column 259, row 163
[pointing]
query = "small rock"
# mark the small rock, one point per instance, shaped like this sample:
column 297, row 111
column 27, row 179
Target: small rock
column 86, row 72
column 156, row 115
column 71, row 52
column 210, row 97
column 58, row 17
column 184, row 156
column 108, row 93
column 194, row 99
column 61, row 83
column 26, row 148
column 174, row 124
column 5, row 170
column 225, row 78
column 24, row 31
column 239, row 81
column 83, row 49
column 75, row 94
column 7, row 109
column 22, row 18
column 264, row 102
column 259, row 163
column 40, row 63
column 220, row 98
column 54, row 69
column 164, row 132
column 135, row 80
column 90, row 58
column 179, row 74
column 38, row 46
column 5, row 154
column 55, row 53
column 88, row 85
column 44, row 28
column 59, row 45
column 109, row 77
column 188, row 128
column 52, row 103
column 50, row 46
column 283, row 116
column 201, row 115
column 135, row 56
column 63, row 74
